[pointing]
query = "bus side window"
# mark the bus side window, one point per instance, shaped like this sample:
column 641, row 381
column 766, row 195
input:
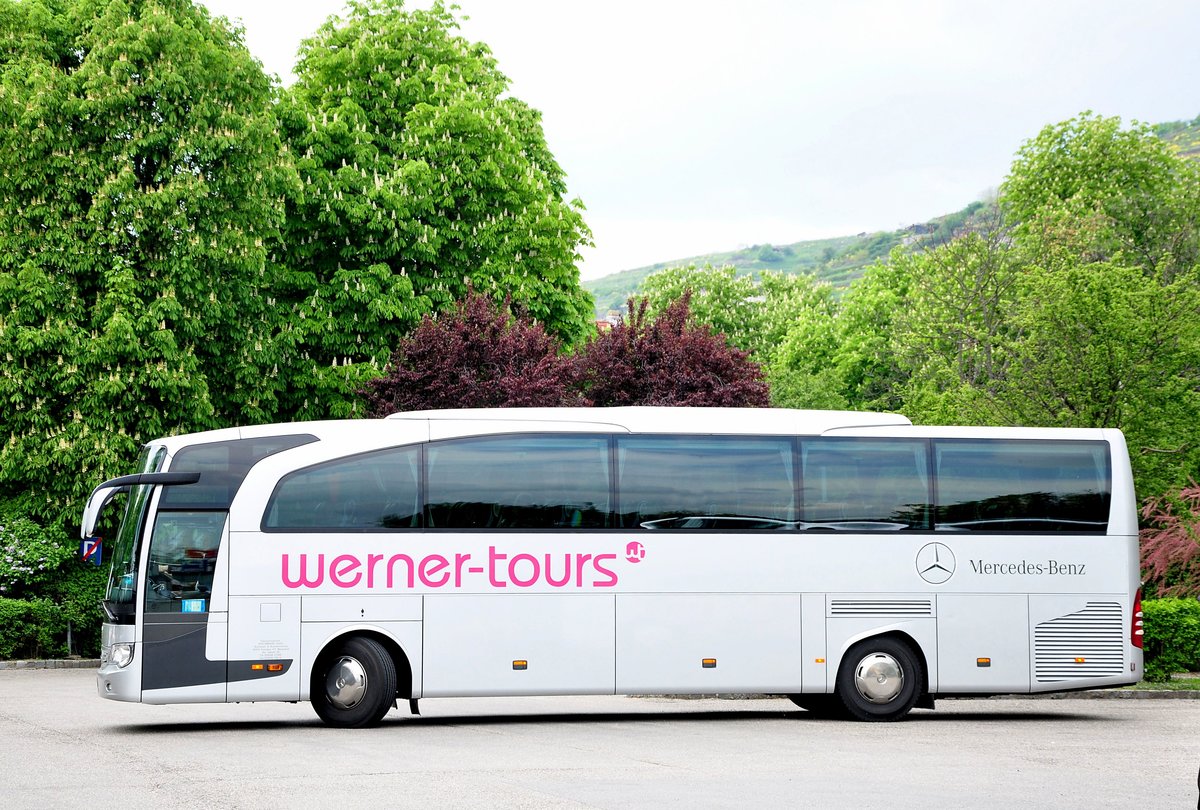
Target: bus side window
column 706, row 482
column 524, row 481
column 852, row 484
column 369, row 491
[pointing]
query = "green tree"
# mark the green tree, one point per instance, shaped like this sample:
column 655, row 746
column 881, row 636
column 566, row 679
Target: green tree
column 752, row 314
column 1133, row 182
column 141, row 177
column 421, row 178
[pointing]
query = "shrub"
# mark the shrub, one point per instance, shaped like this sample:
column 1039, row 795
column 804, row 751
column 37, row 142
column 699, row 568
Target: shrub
column 668, row 360
column 30, row 558
column 1171, row 544
column 31, row 628
column 478, row 356
column 1172, row 641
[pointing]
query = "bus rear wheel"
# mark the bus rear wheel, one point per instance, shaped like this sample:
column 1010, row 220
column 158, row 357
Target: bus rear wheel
column 880, row 679
column 354, row 684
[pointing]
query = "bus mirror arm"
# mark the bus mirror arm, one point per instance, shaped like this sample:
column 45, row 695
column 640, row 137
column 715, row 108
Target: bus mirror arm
column 104, row 493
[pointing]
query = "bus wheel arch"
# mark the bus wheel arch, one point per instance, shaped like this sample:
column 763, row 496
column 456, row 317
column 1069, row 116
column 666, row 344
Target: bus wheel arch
column 357, row 677
column 881, row 678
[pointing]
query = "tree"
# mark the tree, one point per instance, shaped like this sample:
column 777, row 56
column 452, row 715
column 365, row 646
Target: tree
column 140, row 178
column 667, row 360
column 752, row 314
column 421, row 178
column 478, row 356
column 1146, row 196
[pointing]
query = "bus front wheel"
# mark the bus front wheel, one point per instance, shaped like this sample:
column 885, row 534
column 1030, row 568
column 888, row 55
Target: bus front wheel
column 880, row 679
column 354, row 684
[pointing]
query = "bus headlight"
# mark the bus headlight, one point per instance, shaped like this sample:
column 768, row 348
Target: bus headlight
column 121, row 654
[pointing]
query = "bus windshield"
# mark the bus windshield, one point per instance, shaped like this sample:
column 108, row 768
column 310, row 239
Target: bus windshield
column 119, row 601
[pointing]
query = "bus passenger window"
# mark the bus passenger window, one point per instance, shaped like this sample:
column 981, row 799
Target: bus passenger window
column 732, row 483
column 518, row 482
column 862, row 485
column 370, row 491
column 999, row 485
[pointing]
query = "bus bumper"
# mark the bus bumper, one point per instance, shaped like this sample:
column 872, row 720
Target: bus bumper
column 120, row 673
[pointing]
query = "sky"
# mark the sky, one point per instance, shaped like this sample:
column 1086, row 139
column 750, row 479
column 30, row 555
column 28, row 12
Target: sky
column 708, row 125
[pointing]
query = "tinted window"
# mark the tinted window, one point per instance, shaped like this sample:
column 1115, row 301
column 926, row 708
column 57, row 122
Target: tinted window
column 518, row 482
column 864, row 484
column 1004, row 485
column 370, row 491
column 705, row 482
column 222, row 467
column 183, row 559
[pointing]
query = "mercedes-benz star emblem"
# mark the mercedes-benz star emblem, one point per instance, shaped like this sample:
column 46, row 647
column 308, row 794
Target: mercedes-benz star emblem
column 935, row 563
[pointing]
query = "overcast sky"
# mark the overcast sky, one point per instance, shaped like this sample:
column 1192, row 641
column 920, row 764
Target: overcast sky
column 700, row 126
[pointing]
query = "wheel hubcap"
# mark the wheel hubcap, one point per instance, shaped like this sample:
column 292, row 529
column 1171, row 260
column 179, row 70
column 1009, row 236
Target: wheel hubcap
column 879, row 678
column 346, row 683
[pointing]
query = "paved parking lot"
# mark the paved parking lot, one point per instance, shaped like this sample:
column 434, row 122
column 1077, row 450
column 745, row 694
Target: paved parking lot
column 61, row 745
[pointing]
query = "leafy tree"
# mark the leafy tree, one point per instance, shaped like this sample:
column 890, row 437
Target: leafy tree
column 421, row 178
column 753, row 315
column 478, row 356
column 1146, row 196
column 140, row 178
column 667, row 360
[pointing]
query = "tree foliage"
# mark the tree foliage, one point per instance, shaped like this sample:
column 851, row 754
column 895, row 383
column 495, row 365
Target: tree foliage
column 752, row 313
column 478, row 356
column 421, row 178
column 1171, row 543
column 141, row 179
column 667, row 360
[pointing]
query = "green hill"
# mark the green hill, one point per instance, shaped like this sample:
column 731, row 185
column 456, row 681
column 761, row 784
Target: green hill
column 1183, row 134
column 840, row 260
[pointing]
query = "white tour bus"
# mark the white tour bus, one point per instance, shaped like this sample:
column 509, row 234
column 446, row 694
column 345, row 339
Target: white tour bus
column 851, row 561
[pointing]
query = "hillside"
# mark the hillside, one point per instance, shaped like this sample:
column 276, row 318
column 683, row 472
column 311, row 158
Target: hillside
column 1183, row 134
column 840, row 260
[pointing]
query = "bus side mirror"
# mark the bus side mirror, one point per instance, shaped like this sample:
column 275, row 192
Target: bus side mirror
column 95, row 505
column 104, row 493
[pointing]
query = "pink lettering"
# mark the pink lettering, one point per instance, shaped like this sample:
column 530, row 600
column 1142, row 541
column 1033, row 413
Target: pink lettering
column 391, row 570
column 494, row 558
column 459, row 561
column 566, row 575
column 430, row 568
column 512, row 570
column 340, row 567
column 303, row 580
column 372, row 561
column 580, row 559
column 600, row 569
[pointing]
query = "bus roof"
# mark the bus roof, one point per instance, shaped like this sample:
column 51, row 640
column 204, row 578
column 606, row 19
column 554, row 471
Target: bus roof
column 648, row 419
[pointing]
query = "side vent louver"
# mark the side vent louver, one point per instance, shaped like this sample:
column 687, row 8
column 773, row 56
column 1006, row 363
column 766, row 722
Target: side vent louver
column 1087, row 644
column 880, row 607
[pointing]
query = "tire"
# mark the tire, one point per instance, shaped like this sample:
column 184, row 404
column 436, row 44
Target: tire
column 820, row 705
column 880, row 679
column 354, row 684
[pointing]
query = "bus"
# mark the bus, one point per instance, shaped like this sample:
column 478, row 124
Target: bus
column 854, row 562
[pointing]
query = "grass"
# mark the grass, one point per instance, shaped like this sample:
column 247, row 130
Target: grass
column 1178, row 683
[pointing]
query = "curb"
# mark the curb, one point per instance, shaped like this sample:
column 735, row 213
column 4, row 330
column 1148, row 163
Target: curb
column 65, row 663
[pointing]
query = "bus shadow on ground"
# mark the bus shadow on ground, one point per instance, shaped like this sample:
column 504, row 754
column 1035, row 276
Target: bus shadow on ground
column 397, row 721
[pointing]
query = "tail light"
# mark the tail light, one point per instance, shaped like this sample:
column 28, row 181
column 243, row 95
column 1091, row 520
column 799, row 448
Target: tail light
column 1138, row 631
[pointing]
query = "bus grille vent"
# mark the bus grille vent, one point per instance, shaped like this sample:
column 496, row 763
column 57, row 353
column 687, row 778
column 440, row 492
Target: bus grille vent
column 1086, row 644
column 880, row 607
